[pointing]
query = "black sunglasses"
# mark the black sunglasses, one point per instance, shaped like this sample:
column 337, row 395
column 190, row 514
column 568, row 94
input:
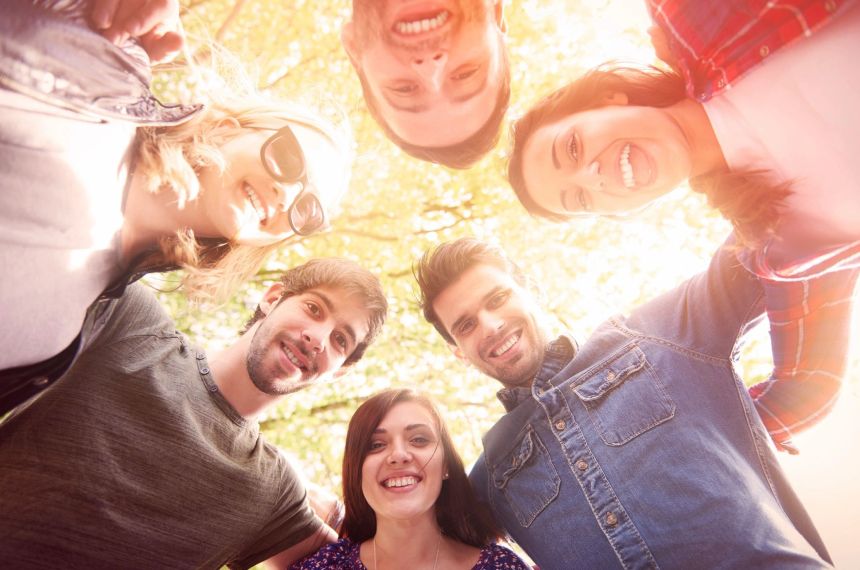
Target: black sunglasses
column 284, row 161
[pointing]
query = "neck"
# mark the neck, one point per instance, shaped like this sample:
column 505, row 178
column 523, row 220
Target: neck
column 149, row 216
column 406, row 544
column 705, row 149
column 230, row 373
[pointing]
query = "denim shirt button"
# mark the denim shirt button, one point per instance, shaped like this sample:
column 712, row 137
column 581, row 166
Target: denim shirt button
column 582, row 465
column 560, row 425
column 611, row 519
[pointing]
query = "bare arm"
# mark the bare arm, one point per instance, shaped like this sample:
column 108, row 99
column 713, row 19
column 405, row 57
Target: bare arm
column 296, row 552
column 155, row 23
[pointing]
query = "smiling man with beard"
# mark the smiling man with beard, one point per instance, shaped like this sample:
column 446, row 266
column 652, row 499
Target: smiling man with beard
column 637, row 449
column 147, row 455
column 434, row 74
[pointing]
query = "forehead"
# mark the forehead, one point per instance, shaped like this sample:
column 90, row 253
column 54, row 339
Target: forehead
column 541, row 176
column 406, row 414
column 469, row 291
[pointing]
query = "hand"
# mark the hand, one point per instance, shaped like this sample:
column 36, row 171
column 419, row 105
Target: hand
column 661, row 46
column 155, row 23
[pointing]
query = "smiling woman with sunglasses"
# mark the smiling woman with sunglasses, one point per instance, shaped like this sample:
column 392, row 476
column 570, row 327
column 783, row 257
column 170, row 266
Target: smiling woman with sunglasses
column 100, row 183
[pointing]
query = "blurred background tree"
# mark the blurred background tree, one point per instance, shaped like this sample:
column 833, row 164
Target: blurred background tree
column 397, row 207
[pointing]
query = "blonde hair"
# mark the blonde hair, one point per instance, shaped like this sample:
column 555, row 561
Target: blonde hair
column 170, row 157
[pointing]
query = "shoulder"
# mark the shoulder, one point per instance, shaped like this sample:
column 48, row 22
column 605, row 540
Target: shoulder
column 137, row 312
column 343, row 554
column 498, row 557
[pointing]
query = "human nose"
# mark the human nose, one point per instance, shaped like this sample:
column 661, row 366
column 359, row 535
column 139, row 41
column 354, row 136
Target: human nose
column 314, row 338
column 490, row 322
column 591, row 177
column 431, row 68
column 399, row 453
column 285, row 193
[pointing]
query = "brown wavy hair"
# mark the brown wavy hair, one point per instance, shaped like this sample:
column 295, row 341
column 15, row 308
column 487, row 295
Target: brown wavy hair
column 747, row 198
column 458, row 512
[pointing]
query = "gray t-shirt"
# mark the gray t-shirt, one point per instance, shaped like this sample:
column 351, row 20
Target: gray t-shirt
column 134, row 459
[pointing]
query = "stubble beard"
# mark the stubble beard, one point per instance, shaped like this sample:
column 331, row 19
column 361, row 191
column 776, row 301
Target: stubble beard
column 523, row 370
column 264, row 372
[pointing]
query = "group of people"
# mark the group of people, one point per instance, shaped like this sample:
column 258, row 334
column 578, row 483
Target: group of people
column 638, row 448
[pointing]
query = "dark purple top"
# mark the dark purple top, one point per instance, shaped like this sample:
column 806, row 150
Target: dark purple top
column 343, row 555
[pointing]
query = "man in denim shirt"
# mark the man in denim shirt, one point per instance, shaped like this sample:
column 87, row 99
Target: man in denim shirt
column 638, row 449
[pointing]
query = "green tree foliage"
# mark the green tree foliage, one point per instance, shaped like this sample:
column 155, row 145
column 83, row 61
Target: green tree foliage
column 397, row 207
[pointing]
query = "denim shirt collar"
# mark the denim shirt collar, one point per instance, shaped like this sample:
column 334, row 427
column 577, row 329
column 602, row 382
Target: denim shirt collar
column 556, row 356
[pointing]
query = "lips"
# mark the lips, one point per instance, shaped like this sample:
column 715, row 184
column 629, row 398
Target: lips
column 256, row 202
column 415, row 24
column 401, row 482
column 634, row 167
column 506, row 344
column 294, row 357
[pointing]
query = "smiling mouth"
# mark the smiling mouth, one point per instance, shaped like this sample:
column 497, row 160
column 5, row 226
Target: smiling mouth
column 626, row 168
column 291, row 356
column 422, row 24
column 397, row 482
column 507, row 345
column 255, row 201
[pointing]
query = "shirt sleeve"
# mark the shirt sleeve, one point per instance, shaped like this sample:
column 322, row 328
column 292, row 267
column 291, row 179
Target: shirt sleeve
column 810, row 329
column 292, row 521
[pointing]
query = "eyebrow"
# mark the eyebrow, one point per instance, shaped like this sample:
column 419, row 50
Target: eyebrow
column 555, row 160
column 489, row 294
column 410, row 427
column 423, row 107
column 330, row 306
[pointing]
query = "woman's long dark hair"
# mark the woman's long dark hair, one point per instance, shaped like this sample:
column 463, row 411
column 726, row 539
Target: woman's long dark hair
column 746, row 198
column 458, row 512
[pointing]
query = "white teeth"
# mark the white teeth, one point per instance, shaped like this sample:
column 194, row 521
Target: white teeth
column 292, row 358
column 506, row 346
column 400, row 482
column 626, row 169
column 256, row 203
column 419, row 26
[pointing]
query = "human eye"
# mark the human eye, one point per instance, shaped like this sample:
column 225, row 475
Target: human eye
column 465, row 327
column 421, row 441
column 582, row 200
column 463, row 73
column 403, row 88
column 341, row 340
column 499, row 299
column 375, row 445
column 572, row 147
column 312, row 308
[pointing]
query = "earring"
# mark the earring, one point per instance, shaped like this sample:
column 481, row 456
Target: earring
column 445, row 476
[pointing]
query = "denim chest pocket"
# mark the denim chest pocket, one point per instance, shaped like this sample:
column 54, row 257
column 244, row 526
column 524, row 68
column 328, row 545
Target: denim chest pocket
column 526, row 477
column 625, row 398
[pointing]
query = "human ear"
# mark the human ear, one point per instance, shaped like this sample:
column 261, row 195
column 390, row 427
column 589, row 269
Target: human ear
column 616, row 98
column 499, row 15
column 271, row 298
column 458, row 352
column 347, row 38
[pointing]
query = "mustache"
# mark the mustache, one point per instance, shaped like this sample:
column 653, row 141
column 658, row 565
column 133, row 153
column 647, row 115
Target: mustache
column 490, row 342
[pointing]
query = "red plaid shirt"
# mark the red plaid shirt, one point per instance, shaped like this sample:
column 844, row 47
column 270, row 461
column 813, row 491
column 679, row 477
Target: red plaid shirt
column 810, row 326
column 716, row 42
column 809, row 302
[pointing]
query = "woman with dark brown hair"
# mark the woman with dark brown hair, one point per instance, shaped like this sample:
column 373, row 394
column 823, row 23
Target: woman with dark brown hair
column 408, row 500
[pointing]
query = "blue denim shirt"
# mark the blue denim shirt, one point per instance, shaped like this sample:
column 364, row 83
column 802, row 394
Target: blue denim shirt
column 642, row 448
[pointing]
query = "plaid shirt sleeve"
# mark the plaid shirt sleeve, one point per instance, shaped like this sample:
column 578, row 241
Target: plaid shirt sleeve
column 810, row 326
column 716, row 42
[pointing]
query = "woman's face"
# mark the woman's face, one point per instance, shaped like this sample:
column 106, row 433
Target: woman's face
column 401, row 477
column 611, row 159
column 245, row 204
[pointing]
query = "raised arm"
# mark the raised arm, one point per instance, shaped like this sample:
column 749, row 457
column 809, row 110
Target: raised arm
column 810, row 329
column 155, row 23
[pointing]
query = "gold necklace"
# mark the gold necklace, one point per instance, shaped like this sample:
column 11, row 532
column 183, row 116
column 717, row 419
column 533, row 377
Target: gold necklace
column 435, row 560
